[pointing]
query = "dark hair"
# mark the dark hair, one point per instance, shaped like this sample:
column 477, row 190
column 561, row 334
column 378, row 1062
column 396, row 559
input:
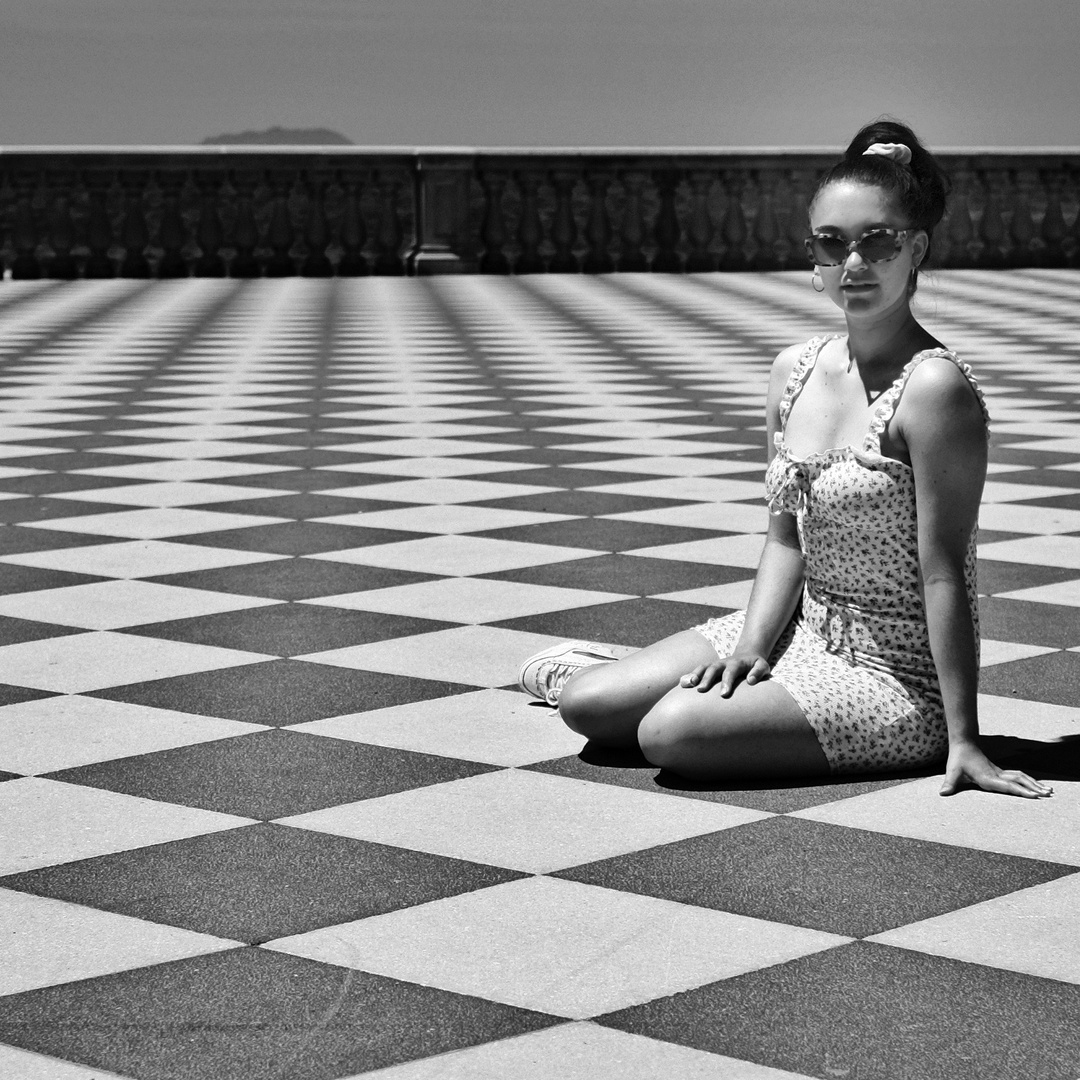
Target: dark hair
column 919, row 189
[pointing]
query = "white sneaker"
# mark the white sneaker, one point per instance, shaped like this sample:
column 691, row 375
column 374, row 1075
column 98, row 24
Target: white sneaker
column 544, row 674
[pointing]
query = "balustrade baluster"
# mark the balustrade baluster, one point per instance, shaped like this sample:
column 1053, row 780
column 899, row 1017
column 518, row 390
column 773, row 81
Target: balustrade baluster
column 280, row 234
column 172, row 232
column 493, row 227
column 352, row 233
column 1053, row 230
column 99, row 226
column 798, row 221
column 960, row 230
column 598, row 258
column 564, row 227
column 530, row 230
column 316, row 234
column 209, row 235
column 62, row 228
column 666, row 229
column 766, row 225
column 24, row 233
column 733, row 229
column 992, row 230
column 390, row 234
column 134, row 234
column 699, row 226
column 1022, row 226
column 245, row 228
column 632, row 234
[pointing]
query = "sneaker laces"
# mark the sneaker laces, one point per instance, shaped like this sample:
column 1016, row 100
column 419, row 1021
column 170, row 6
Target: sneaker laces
column 555, row 676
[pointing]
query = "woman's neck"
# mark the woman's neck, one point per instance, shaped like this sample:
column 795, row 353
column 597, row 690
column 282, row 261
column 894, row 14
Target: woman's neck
column 887, row 344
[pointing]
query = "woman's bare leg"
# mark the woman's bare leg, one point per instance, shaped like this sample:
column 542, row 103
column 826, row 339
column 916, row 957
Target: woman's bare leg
column 759, row 731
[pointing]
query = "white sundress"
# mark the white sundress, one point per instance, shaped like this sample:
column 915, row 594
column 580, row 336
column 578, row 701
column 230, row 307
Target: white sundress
column 856, row 655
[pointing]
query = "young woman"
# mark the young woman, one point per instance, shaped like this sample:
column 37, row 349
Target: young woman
column 859, row 649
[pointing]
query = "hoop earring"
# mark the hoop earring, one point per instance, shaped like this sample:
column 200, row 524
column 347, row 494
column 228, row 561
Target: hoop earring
column 815, row 281
column 913, row 281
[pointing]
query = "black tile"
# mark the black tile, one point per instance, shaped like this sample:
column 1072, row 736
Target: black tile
column 581, row 503
column 51, row 483
column 13, row 631
column 637, row 575
column 1036, row 459
column 824, row 877
column 4, row 776
column 1058, row 502
column 12, row 695
column 251, row 1014
column 546, row 456
column 300, row 507
column 281, row 692
column 297, row 537
column 17, row 579
column 294, row 579
column 1054, row 625
column 1053, row 677
column 601, row 534
column 998, row 577
column 851, row 1011
column 993, row 536
column 289, row 629
column 260, row 882
column 308, row 479
column 624, row 622
column 32, row 508
column 16, row 540
column 626, row 768
column 269, row 774
column 70, row 461
column 311, row 459
column 567, row 477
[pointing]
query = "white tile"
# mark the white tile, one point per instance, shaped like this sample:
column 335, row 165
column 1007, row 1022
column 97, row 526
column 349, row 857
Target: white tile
column 708, row 489
column 498, row 727
column 444, row 519
column 471, row 600
column 441, row 491
column 53, row 733
column 181, row 470
column 1023, row 719
column 676, row 466
column 109, row 605
column 1035, row 931
column 1046, row 550
column 43, row 822
column 157, row 523
column 29, row 1066
column 139, row 558
column 1029, row 828
column 1002, row 652
column 559, row 947
column 1019, row 517
column 1062, row 592
column 422, row 448
column 456, row 555
column 197, row 448
column 1001, row 491
column 171, row 493
column 474, row 655
column 578, row 1051
column 79, row 663
column 50, row 941
column 722, row 517
column 526, row 820
column 650, row 447
column 430, row 467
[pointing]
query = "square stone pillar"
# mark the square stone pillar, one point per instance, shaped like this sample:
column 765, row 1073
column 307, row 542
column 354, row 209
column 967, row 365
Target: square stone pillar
column 445, row 243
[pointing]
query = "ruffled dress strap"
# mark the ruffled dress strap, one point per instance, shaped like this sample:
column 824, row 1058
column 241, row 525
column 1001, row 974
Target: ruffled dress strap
column 888, row 401
column 797, row 379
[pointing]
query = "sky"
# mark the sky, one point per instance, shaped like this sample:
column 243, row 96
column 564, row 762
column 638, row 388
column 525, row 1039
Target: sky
column 704, row 73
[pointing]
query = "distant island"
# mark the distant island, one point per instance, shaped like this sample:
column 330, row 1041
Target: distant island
column 279, row 136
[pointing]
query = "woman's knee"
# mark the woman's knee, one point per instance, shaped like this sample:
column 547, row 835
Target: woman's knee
column 585, row 703
column 665, row 736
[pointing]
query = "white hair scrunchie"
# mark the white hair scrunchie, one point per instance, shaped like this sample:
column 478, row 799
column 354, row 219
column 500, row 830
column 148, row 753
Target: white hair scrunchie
column 897, row 151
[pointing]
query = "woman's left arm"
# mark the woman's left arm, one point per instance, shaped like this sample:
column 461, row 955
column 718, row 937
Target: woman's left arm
column 942, row 424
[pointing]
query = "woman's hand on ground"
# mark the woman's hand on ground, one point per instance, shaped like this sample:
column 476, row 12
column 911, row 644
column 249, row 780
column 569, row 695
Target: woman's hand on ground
column 727, row 673
column 968, row 764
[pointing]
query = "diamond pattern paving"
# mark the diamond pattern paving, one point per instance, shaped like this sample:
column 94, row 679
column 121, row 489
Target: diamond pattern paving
column 271, row 805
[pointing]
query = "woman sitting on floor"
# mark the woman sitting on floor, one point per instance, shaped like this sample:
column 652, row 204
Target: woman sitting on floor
column 859, row 649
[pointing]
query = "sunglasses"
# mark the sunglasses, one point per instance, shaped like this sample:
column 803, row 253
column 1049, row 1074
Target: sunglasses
column 877, row 245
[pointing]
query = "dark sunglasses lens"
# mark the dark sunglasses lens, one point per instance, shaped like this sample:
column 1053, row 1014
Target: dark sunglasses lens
column 826, row 250
column 879, row 246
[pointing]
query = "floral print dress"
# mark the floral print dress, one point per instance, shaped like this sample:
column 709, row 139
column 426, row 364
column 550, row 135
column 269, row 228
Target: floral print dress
column 856, row 655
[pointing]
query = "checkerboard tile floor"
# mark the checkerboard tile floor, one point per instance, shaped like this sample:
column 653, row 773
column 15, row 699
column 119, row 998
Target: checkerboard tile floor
column 271, row 805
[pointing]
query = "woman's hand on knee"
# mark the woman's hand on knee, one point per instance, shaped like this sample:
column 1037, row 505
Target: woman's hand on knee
column 727, row 673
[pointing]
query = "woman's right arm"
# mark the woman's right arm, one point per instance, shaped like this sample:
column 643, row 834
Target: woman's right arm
column 779, row 579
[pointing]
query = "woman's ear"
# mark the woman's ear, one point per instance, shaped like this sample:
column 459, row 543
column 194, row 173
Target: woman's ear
column 919, row 245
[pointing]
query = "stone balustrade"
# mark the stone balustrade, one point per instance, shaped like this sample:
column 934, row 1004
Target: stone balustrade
column 254, row 212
